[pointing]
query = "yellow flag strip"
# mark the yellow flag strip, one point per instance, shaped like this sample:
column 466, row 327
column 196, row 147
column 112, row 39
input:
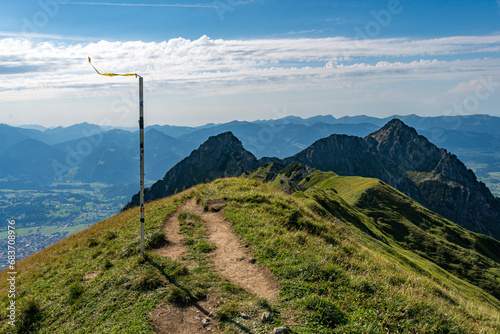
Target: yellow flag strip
column 112, row 74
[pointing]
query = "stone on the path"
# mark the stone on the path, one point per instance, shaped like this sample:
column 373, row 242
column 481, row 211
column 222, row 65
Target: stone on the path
column 205, row 322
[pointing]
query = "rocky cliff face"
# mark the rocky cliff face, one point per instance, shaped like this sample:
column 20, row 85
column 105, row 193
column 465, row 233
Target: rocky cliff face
column 349, row 155
column 220, row 156
column 397, row 155
column 445, row 184
column 402, row 145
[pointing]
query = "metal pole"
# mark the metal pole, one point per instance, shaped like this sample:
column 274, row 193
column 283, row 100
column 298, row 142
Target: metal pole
column 141, row 136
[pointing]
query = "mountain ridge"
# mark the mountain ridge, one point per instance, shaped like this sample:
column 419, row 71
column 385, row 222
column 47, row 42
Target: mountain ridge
column 465, row 200
column 280, row 138
column 395, row 154
column 399, row 218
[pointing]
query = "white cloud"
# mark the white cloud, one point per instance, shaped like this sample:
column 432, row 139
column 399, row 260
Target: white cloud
column 207, row 66
column 464, row 88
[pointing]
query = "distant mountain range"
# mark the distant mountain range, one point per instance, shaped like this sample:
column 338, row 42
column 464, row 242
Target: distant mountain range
column 395, row 154
column 89, row 153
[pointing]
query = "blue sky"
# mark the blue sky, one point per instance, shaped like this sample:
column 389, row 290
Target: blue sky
column 221, row 60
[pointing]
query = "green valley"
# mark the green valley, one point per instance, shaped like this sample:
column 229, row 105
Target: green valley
column 44, row 216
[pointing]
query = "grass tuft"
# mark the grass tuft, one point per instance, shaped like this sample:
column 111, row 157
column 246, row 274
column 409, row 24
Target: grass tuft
column 147, row 279
column 93, row 242
column 227, row 312
column 107, row 264
column 179, row 296
column 30, row 313
column 154, row 240
column 75, row 291
column 323, row 311
column 110, row 235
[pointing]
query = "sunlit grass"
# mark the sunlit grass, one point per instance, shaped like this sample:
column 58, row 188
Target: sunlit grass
column 334, row 274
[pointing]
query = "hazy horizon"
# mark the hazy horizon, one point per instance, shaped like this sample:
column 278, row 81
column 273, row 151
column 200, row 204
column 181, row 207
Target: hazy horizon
column 33, row 125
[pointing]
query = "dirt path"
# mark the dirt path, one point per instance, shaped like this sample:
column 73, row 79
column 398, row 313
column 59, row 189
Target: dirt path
column 176, row 247
column 229, row 258
column 195, row 319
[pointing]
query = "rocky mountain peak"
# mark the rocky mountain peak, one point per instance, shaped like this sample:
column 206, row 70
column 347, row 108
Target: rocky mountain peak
column 395, row 129
column 226, row 141
column 219, row 156
column 399, row 156
column 445, row 184
column 404, row 146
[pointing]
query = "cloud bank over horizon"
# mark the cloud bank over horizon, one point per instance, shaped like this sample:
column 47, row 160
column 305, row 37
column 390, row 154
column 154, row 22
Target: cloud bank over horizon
column 34, row 69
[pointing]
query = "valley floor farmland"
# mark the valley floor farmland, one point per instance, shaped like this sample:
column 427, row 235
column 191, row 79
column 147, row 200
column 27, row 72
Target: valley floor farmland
column 45, row 216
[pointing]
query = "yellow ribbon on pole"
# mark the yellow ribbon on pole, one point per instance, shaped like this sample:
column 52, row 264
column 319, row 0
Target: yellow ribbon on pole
column 141, row 143
column 112, row 74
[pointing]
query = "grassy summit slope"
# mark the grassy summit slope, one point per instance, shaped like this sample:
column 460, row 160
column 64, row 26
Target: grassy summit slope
column 471, row 256
column 333, row 276
column 89, row 280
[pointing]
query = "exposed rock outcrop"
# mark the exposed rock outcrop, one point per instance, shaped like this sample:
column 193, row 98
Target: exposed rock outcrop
column 220, row 156
column 397, row 155
column 445, row 184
